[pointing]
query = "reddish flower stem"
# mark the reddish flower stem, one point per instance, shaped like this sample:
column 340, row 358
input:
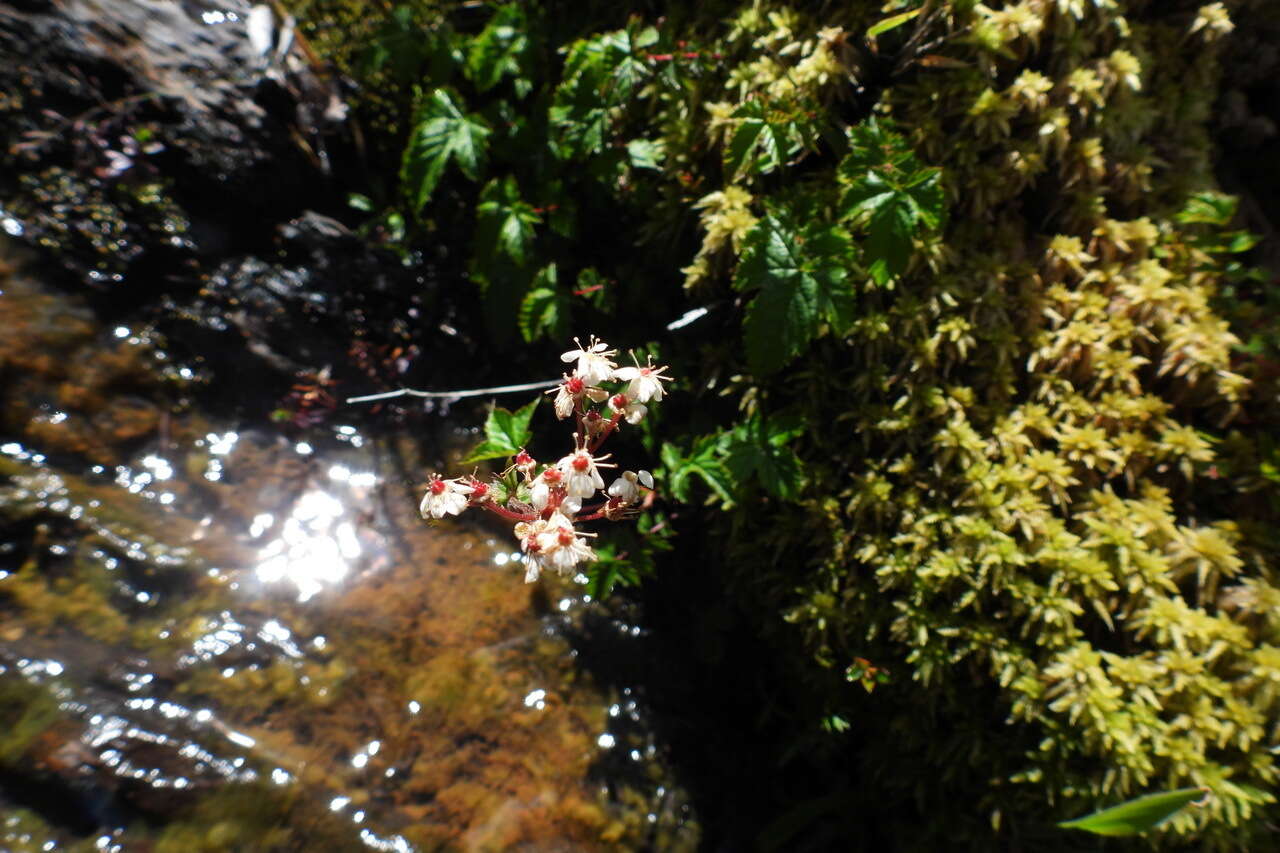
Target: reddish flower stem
column 510, row 515
column 613, row 423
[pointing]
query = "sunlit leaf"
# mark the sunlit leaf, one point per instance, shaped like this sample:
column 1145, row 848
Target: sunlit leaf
column 544, row 310
column 505, row 433
column 441, row 135
column 1209, row 208
column 505, row 221
column 891, row 23
column 499, row 48
column 1136, row 816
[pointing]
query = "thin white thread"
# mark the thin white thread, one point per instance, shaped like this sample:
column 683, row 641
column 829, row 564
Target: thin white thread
column 472, row 392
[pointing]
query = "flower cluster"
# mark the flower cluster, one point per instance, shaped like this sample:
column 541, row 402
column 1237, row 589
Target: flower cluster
column 547, row 500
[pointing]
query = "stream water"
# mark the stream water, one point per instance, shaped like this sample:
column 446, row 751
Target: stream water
column 216, row 635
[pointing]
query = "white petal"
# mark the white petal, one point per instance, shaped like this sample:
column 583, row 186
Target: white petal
column 646, row 479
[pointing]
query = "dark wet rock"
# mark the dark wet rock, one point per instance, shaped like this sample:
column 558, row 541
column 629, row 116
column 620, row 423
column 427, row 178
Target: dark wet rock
column 179, row 164
column 139, row 132
column 299, row 314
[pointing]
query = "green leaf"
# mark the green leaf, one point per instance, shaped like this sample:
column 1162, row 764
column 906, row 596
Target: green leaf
column 865, row 197
column 545, row 309
column 801, row 282
column 758, row 448
column 1209, row 208
column 609, row 570
column 505, row 221
column 890, row 194
column 404, row 44
column 1136, row 816
column 889, row 239
column 928, row 201
column 743, row 141
column 892, row 22
column 441, row 135
column 702, row 462
column 827, row 251
column 499, row 48
column 487, row 450
column 505, row 433
column 766, row 138
column 601, row 74
column 646, row 153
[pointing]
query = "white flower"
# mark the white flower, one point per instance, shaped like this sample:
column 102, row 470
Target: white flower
column 570, row 391
column 634, row 412
column 560, row 546
column 594, row 365
column 627, row 487
column 528, row 532
column 645, row 382
column 581, row 473
column 551, row 543
column 540, row 493
column 444, row 497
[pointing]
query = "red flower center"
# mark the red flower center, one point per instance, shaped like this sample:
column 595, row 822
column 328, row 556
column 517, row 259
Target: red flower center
column 574, row 385
column 437, row 487
column 581, row 462
column 551, row 475
column 566, row 537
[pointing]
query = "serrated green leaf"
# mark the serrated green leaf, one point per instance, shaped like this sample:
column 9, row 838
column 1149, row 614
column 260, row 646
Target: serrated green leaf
column 1136, row 816
column 505, row 433
column 758, row 448
column 499, row 48
column 779, row 473
column 702, row 462
column 505, row 221
column 892, row 23
column 765, row 139
column 511, row 427
column 865, row 197
column 781, row 320
column 544, row 310
column 889, row 239
column 925, row 190
column 487, row 450
column 600, row 74
column 744, row 137
column 441, row 135
column 717, row 477
column 801, row 282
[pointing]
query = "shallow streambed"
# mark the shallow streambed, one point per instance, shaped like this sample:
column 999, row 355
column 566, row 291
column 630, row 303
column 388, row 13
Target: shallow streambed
column 218, row 635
